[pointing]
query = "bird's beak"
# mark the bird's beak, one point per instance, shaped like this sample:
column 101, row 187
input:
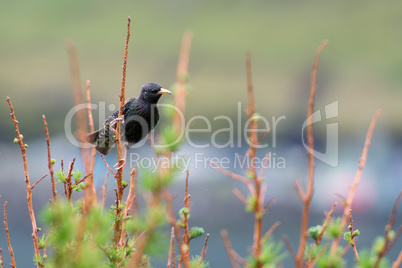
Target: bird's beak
column 163, row 91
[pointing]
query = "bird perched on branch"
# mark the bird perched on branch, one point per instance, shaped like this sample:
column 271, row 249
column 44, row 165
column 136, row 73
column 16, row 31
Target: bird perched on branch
column 140, row 116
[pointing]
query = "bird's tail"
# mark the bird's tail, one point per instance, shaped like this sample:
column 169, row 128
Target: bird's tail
column 102, row 141
column 91, row 137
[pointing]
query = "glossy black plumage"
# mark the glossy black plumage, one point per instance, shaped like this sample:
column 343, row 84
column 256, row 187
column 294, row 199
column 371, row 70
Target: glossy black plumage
column 140, row 116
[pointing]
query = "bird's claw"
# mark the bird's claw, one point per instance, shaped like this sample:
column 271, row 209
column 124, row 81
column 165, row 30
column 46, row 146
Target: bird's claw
column 122, row 164
column 114, row 122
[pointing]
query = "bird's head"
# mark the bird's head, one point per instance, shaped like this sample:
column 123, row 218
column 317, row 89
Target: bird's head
column 151, row 92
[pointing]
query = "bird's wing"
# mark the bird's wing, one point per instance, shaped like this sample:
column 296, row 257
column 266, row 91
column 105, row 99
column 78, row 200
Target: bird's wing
column 127, row 104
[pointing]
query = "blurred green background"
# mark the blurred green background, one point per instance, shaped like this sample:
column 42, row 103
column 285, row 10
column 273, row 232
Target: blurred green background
column 360, row 68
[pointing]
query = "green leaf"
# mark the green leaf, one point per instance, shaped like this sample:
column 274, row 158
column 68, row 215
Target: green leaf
column 347, row 236
column 184, row 211
column 77, row 175
column 314, row 231
column 356, row 232
column 251, row 204
column 196, row 232
column 61, row 176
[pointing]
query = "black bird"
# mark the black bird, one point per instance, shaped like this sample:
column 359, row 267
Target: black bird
column 140, row 116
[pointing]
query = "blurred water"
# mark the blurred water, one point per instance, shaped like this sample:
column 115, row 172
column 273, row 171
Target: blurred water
column 214, row 207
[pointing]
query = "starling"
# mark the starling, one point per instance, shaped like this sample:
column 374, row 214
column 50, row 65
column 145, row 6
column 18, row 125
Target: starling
column 140, row 116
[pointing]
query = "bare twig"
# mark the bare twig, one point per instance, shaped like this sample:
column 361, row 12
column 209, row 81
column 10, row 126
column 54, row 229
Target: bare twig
column 253, row 138
column 107, row 165
column 353, row 187
column 186, row 227
column 121, row 162
column 41, row 178
column 204, row 248
column 172, row 254
column 228, row 248
column 77, row 90
column 345, row 250
column 398, row 261
column 129, row 202
column 352, row 238
column 307, row 197
column 324, row 226
column 181, row 83
column 172, row 220
column 69, row 185
column 90, row 193
column 289, row 247
column 27, row 182
column 239, row 195
column 49, row 160
column 105, row 190
column 270, row 231
column 1, row 258
column 388, row 242
column 81, row 180
column 311, row 263
column 269, row 203
column 10, row 249
column 392, row 217
column 299, row 189
column 229, row 173
column 265, row 162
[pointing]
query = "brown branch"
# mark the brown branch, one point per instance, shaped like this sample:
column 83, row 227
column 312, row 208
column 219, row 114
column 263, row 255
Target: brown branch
column 263, row 208
column 27, row 182
column 265, row 162
column 311, row 263
column 105, row 190
column 172, row 220
column 270, row 231
column 239, row 195
column 398, row 261
column 181, row 82
column 388, row 243
column 10, row 249
column 172, row 254
column 352, row 238
column 353, row 187
column 204, row 248
column 324, row 226
column 107, row 165
column 49, row 160
column 186, row 227
column 228, row 248
column 289, row 247
column 78, row 97
column 253, row 138
column 310, row 142
column 392, row 217
column 345, row 250
column 269, row 203
column 69, row 186
column 90, row 193
column 81, row 180
column 121, row 162
column 229, row 173
column 299, row 189
column 129, row 202
column 41, row 178
column 77, row 90
column 1, row 258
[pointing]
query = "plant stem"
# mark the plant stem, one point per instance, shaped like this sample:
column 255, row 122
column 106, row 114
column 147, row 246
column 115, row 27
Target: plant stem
column 310, row 142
